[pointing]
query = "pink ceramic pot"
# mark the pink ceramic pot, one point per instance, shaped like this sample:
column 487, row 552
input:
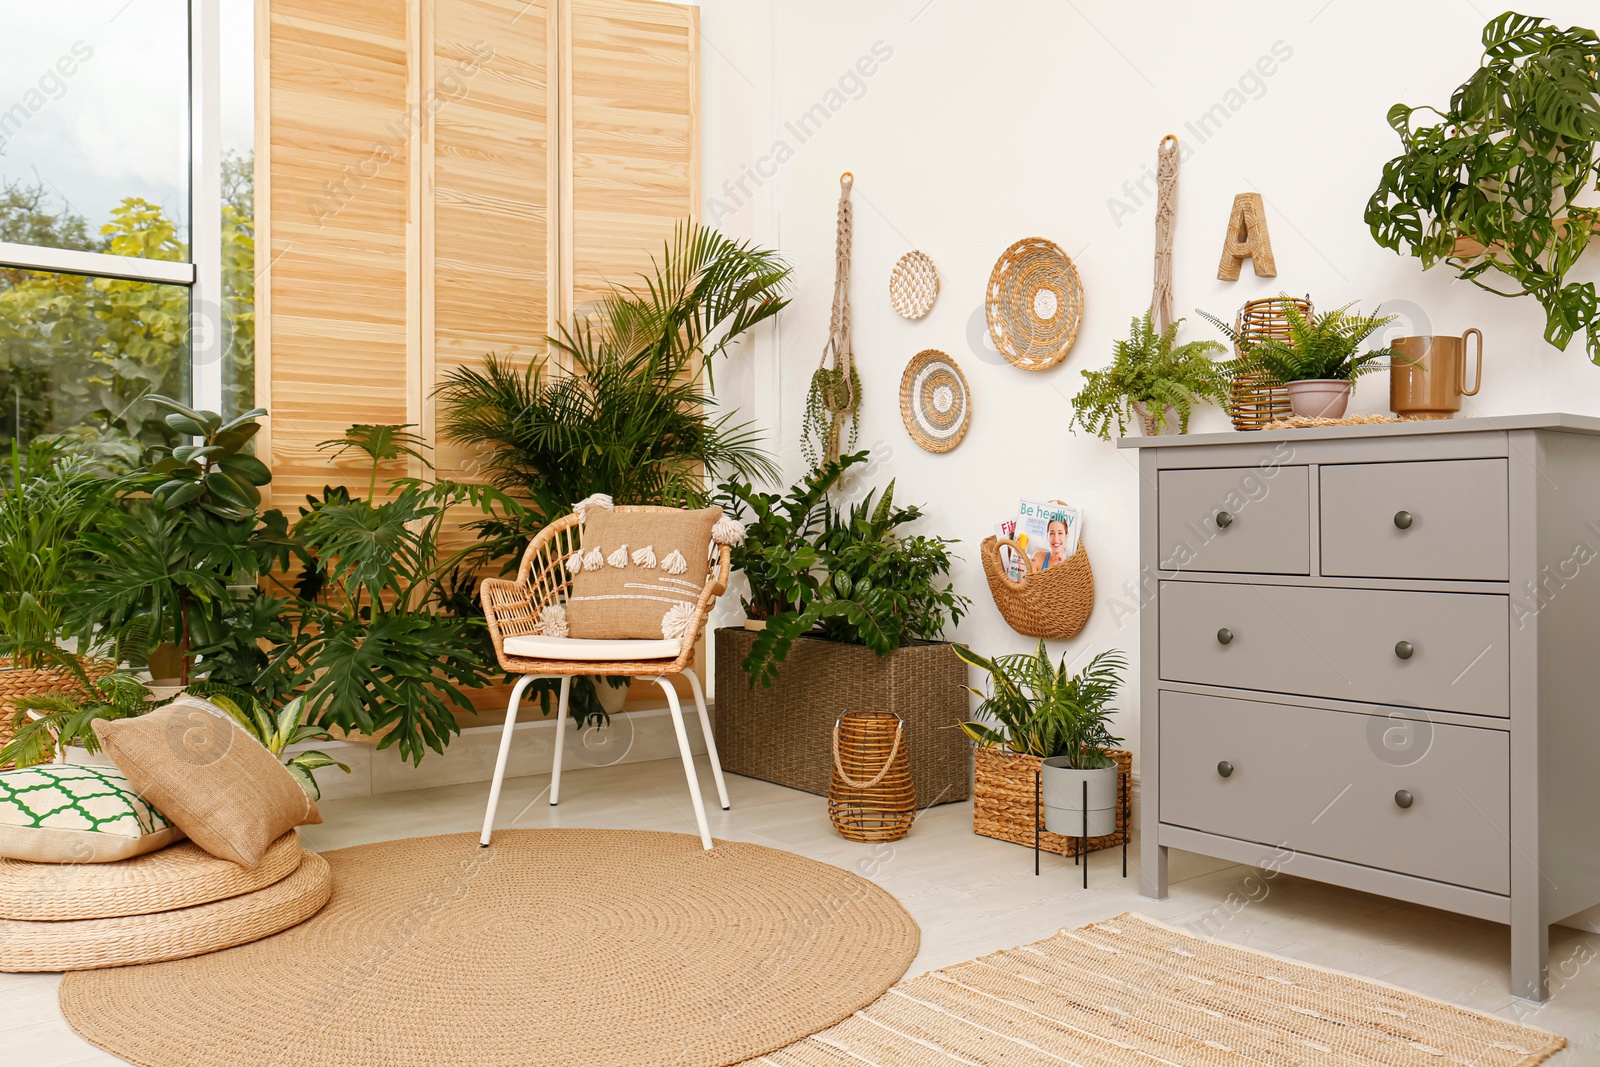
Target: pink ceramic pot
column 1319, row 398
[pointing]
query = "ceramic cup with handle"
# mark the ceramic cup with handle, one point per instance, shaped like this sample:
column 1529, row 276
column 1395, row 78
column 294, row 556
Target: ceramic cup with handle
column 1428, row 377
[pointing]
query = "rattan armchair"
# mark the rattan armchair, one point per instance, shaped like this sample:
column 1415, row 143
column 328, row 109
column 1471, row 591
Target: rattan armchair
column 513, row 609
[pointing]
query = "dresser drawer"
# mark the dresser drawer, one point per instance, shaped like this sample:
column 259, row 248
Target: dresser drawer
column 1340, row 643
column 1325, row 783
column 1445, row 519
column 1240, row 519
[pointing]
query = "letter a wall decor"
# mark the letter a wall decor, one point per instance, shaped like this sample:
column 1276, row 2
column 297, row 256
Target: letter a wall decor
column 1247, row 238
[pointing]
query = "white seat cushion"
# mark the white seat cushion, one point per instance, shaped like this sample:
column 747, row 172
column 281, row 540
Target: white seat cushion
column 588, row 650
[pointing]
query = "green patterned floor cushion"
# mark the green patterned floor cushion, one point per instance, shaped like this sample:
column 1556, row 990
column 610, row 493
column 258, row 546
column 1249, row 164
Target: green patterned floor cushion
column 64, row 813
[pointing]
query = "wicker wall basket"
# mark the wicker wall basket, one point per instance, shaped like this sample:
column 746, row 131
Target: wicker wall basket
column 1052, row 603
column 935, row 403
column 1005, row 801
column 1258, row 399
column 1034, row 304
column 913, row 285
column 871, row 797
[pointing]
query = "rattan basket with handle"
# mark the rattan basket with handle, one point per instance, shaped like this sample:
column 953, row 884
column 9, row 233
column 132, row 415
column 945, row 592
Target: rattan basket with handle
column 1258, row 399
column 1053, row 603
column 871, row 797
column 1005, row 801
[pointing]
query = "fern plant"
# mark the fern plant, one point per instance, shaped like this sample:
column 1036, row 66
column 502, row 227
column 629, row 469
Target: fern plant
column 1324, row 347
column 1492, row 184
column 1150, row 370
column 1035, row 707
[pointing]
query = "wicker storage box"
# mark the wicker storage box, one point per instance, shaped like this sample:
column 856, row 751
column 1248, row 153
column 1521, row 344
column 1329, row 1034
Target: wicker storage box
column 785, row 734
column 1003, row 801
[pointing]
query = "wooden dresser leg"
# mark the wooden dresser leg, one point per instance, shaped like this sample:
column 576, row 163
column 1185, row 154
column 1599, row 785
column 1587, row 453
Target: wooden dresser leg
column 1152, row 869
column 1530, row 957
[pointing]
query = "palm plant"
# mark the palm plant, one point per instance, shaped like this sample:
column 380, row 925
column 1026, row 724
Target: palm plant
column 1149, row 373
column 47, row 724
column 1035, row 707
column 1320, row 348
column 634, row 417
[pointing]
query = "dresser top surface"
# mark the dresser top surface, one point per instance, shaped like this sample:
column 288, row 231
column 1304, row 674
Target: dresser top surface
column 1558, row 421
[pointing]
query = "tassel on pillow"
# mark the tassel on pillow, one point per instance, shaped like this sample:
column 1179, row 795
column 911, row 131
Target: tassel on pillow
column 575, row 563
column 728, row 531
column 581, row 508
column 619, row 558
column 674, row 563
column 594, row 559
column 645, row 557
column 675, row 623
column 553, row 621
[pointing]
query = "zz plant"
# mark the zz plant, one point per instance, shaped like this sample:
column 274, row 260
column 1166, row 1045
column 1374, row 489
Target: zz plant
column 1491, row 187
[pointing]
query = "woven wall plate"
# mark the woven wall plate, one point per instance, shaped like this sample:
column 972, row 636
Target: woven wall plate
column 914, row 285
column 1034, row 303
column 934, row 401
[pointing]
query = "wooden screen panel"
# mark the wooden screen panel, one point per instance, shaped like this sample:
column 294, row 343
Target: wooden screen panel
column 633, row 146
column 335, row 259
column 492, row 182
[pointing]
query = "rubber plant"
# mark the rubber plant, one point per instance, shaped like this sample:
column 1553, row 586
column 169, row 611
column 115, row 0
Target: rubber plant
column 1490, row 188
column 1149, row 373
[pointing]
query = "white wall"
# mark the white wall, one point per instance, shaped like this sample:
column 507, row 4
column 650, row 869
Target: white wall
column 992, row 122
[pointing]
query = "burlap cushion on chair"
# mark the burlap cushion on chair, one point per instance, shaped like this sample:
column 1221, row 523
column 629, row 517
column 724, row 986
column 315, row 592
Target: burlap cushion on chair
column 639, row 573
column 218, row 784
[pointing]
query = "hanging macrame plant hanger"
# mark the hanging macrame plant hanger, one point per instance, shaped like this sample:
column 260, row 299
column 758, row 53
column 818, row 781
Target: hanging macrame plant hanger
column 835, row 394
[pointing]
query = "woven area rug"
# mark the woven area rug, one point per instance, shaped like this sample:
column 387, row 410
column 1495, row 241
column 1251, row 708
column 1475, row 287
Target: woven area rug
column 553, row 947
column 1131, row 992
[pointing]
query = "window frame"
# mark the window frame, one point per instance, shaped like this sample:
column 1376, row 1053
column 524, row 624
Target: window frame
column 202, row 272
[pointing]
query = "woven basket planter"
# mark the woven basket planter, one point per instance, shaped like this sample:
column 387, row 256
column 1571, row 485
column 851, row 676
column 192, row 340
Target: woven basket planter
column 1004, row 801
column 785, row 734
column 18, row 682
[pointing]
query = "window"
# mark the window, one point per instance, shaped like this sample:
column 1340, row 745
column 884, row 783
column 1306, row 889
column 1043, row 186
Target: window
column 126, row 216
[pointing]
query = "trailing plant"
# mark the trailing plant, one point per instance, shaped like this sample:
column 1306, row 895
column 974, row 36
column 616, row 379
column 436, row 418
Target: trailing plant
column 1149, row 369
column 1035, row 707
column 1325, row 346
column 873, row 586
column 831, row 402
column 48, row 498
column 634, row 417
column 276, row 730
column 47, row 724
column 777, row 556
column 1492, row 185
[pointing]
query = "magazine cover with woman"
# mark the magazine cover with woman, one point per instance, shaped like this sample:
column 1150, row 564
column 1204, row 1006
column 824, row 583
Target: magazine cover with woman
column 1048, row 531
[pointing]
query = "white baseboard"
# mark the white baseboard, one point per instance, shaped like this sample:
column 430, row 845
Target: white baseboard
column 638, row 736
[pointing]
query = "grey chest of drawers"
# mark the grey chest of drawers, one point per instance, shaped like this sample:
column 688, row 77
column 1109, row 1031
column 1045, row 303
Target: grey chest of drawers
column 1375, row 650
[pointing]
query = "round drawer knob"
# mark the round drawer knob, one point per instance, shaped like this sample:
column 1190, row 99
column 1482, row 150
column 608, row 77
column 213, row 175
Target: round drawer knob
column 1404, row 799
column 1224, row 519
column 1402, row 520
column 1224, row 636
column 1226, row 769
column 1404, row 649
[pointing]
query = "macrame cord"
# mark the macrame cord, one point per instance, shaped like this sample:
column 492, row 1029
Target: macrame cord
column 1166, row 218
column 835, row 387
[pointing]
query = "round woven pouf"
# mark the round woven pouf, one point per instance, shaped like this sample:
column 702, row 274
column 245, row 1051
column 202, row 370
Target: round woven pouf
column 935, row 403
column 555, row 947
column 913, row 285
column 1034, row 303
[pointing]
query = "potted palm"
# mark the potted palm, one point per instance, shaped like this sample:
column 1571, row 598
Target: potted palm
column 1152, row 383
column 1320, row 360
column 1039, row 718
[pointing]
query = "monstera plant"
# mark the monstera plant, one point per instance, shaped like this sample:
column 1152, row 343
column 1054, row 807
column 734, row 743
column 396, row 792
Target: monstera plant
column 1490, row 188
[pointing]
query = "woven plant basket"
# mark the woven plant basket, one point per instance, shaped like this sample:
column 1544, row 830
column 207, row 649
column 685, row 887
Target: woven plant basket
column 1053, row 604
column 18, row 682
column 1258, row 399
column 871, row 797
column 1005, row 801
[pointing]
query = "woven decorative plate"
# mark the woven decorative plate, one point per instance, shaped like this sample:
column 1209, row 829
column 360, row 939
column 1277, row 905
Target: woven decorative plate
column 1034, row 304
column 913, row 285
column 934, row 401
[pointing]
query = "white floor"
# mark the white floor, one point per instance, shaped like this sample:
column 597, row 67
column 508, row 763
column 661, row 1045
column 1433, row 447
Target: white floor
column 971, row 895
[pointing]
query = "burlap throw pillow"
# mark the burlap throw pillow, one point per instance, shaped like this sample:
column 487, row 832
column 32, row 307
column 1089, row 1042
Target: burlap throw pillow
column 214, row 781
column 635, row 568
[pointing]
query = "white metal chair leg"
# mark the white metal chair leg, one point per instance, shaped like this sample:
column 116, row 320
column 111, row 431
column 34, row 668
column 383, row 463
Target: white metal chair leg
column 561, row 738
column 688, row 759
column 711, row 742
column 500, row 763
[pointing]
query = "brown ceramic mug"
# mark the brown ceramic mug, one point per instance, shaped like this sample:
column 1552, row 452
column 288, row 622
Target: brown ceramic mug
column 1428, row 377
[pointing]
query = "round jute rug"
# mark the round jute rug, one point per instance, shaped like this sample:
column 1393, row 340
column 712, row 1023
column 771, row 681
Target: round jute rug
column 552, row 947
